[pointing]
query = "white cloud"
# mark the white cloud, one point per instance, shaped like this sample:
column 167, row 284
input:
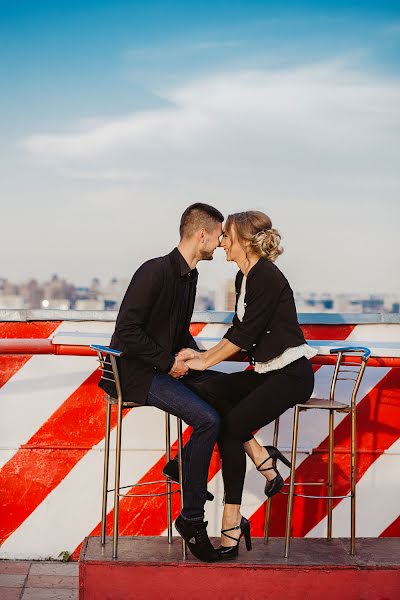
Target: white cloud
column 325, row 113
column 166, row 127
column 317, row 147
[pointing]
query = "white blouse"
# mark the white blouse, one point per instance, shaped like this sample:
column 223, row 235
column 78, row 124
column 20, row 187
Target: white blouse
column 287, row 357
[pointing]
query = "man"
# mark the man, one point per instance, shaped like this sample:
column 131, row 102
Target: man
column 152, row 326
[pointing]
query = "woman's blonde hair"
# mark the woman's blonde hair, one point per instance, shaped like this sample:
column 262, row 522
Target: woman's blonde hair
column 256, row 227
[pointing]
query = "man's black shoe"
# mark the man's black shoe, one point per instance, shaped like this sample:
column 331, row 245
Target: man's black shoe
column 171, row 470
column 195, row 535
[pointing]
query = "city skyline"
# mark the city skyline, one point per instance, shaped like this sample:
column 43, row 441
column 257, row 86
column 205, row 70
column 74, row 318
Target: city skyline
column 203, row 283
column 57, row 293
column 116, row 116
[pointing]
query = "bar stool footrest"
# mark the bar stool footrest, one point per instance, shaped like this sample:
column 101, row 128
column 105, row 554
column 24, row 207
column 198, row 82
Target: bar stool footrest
column 124, row 487
column 319, row 497
column 148, row 495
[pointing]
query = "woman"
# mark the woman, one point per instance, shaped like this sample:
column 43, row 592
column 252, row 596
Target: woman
column 265, row 324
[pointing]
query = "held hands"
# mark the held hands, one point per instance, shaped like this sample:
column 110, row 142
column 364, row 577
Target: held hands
column 200, row 361
column 179, row 369
column 197, row 364
column 186, row 354
column 192, row 360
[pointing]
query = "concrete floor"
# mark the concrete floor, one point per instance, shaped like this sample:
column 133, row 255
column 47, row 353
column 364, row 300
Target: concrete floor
column 38, row 580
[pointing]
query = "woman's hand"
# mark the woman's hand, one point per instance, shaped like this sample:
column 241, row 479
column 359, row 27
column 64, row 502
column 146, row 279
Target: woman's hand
column 186, row 354
column 200, row 361
column 197, row 364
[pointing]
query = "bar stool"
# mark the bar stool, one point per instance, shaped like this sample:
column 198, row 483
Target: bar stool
column 350, row 365
column 109, row 368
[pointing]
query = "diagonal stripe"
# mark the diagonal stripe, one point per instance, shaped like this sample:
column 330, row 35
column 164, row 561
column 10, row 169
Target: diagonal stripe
column 377, row 413
column 42, row 463
column 30, row 330
column 196, row 328
column 393, row 530
column 72, row 508
column 37, row 390
column 375, row 489
column 327, row 332
column 9, row 366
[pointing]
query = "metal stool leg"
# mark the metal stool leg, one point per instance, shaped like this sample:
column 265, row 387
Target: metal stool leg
column 168, row 481
column 291, row 485
column 330, row 473
column 179, row 424
column 268, row 503
column 105, row 474
column 353, row 482
column 117, row 478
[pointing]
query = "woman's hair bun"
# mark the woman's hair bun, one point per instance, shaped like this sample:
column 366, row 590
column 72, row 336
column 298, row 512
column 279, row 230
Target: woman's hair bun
column 256, row 227
column 267, row 243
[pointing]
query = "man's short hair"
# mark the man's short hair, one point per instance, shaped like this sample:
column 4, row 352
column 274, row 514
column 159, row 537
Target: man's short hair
column 199, row 216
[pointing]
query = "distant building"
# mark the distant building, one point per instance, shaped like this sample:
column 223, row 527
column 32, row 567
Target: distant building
column 205, row 299
column 11, row 302
column 89, row 304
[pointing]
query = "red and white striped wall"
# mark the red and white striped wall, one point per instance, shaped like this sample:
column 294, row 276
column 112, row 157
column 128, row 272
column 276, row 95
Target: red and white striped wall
column 52, row 438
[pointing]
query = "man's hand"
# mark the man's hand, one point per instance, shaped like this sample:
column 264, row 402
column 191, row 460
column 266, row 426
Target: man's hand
column 179, row 369
column 197, row 364
column 186, row 354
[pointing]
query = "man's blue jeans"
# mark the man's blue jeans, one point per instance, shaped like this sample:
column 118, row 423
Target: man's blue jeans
column 172, row 396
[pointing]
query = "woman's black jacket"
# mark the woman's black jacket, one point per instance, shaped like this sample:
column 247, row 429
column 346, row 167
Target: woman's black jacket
column 270, row 323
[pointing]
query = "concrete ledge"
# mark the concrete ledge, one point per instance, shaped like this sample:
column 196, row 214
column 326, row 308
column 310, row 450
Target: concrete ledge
column 198, row 317
column 147, row 567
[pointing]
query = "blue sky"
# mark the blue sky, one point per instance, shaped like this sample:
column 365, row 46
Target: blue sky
column 116, row 115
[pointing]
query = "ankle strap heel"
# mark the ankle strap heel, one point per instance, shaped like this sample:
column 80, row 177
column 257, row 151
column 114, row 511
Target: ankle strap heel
column 275, row 485
column 228, row 552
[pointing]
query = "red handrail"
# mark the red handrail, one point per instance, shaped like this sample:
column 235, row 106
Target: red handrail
column 30, row 347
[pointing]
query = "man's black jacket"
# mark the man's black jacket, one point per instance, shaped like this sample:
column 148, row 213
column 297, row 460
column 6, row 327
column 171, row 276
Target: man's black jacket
column 146, row 326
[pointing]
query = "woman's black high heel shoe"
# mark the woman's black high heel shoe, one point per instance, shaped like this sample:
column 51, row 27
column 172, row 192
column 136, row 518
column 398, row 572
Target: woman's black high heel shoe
column 275, row 485
column 228, row 552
